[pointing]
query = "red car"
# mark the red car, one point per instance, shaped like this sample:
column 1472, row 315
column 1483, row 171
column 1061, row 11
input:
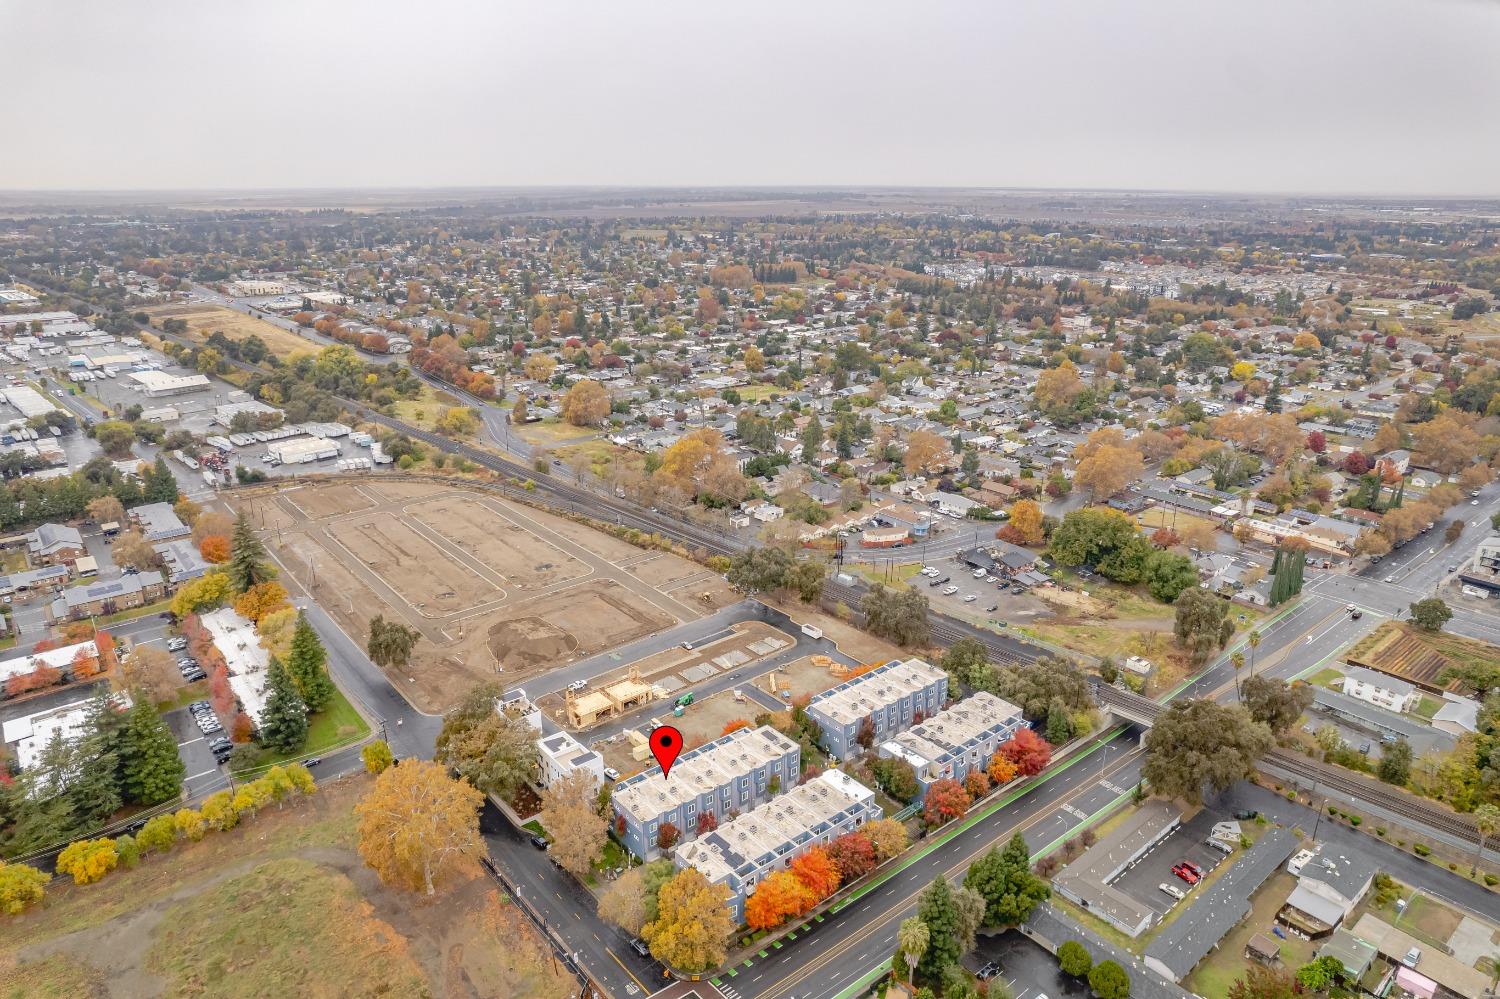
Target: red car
column 1186, row 873
column 1193, row 867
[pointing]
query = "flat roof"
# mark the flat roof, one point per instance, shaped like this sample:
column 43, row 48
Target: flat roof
column 701, row 770
column 953, row 730
column 1446, row 970
column 1088, row 877
column 235, row 638
column 856, row 698
column 775, row 829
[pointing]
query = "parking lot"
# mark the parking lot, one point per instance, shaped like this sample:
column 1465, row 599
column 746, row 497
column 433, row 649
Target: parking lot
column 1142, row 880
column 953, row 587
column 1025, row 967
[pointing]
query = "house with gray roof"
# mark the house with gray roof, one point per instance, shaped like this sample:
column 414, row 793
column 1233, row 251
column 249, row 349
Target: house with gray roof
column 159, row 522
column 51, row 544
column 1086, row 881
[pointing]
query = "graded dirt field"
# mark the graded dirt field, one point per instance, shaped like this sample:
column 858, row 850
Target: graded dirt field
column 281, row 905
column 526, row 561
column 204, row 320
column 497, row 590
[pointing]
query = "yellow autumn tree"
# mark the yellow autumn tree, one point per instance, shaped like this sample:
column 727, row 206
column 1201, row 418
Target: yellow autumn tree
column 586, row 404
column 1026, row 518
column 418, row 827
column 692, row 924
column 88, row 860
column 262, row 599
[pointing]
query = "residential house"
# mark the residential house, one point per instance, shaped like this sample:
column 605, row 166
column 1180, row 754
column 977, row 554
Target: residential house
column 54, row 544
column 1380, row 689
column 890, row 698
column 961, row 738
column 562, row 755
column 1331, row 881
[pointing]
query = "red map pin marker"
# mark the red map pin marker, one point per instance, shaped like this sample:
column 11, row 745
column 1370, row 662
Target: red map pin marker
column 666, row 743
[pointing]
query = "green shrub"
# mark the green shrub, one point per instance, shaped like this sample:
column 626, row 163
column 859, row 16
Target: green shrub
column 1355, row 820
column 1380, row 831
column 1491, row 880
column 1421, row 849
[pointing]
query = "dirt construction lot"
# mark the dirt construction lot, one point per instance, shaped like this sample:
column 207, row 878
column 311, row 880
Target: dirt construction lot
column 497, row 590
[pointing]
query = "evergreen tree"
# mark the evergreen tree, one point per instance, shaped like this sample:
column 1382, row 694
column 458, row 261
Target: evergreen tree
column 812, row 439
column 937, row 909
column 152, row 767
column 247, row 558
column 307, row 663
column 283, row 723
column 160, row 485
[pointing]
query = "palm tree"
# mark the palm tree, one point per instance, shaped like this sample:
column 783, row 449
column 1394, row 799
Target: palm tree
column 1237, row 659
column 912, row 939
column 1254, row 642
column 1487, row 820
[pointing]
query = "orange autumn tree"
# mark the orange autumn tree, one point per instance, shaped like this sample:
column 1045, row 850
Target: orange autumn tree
column 261, row 599
column 84, row 665
column 1002, row 770
column 734, row 726
column 816, row 869
column 778, row 897
column 1028, row 751
column 214, row 548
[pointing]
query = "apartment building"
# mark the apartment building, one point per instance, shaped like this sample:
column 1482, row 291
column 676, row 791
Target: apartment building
column 1383, row 691
column 743, row 851
column 890, row 697
column 957, row 740
column 108, row 596
column 55, row 544
column 734, row 772
column 563, row 755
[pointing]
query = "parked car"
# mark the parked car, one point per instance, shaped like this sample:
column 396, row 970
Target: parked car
column 639, row 946
column 948, row 591
column 1172, row 890
column 990, row 970
column 970, row 598
column 1186, row 873
column 1247, row 814
column 195, row 676
column 540, row 842
column 610, row 773
column 1193, row 867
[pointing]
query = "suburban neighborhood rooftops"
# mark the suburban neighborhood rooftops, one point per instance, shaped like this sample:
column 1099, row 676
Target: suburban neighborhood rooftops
column 952, row 730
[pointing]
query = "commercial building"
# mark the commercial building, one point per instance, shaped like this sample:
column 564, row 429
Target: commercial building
column 109, row 596
column 55, row 544
column 1379, row 689
column 301, row 451
column 158, row 383
column 743, row 851
column 59, row 659
column 29, row 735
column 562, row 755
column 892, row 698
column 957, row 740
column 27, row 401
column 734, row 772
column 244, row 657
column 1086, row 881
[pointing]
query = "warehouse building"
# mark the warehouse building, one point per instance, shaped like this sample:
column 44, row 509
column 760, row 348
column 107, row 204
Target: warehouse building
column 892, row 698
column 957, row 740
column 158, row 383
column 301, row 451
column 734, row 772
column 744, row 850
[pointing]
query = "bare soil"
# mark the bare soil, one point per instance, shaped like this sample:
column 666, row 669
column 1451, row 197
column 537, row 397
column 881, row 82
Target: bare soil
column 204, row 320
column 497, row 590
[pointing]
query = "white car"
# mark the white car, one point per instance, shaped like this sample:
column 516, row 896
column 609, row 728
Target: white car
column 611, row 773
column 930, row 570
column 948, row 591
column 1390, row 579
column 978, row 574
column 970, row 598
column 1172, row 890
column 1473, row 502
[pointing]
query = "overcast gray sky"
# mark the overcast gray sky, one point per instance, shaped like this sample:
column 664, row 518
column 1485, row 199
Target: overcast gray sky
column 1357, row 96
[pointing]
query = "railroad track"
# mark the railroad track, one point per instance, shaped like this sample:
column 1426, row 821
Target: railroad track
column 1373, row 793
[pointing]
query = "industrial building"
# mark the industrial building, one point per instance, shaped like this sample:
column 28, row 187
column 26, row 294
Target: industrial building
column 301, row 451
column 744, row 850
column 891, row 697
column 957, row 740
column 27, row 401
column 158, row 383
column 734, row 772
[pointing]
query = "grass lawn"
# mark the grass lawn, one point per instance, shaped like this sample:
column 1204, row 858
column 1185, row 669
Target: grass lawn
column 894, row 576
column 13, row 561
column 757, row 392
column 1424, row 917
column 337, row 725
column 553, row 432
column 1427, row 707
column 1326, row 676
column 1158, row 516
column 614, row 855
column 424, row 410
column 160, row 607
column 281, row 905
column 535, row 827
column 1214, row 976
column 185, row 696
column 601, row 454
